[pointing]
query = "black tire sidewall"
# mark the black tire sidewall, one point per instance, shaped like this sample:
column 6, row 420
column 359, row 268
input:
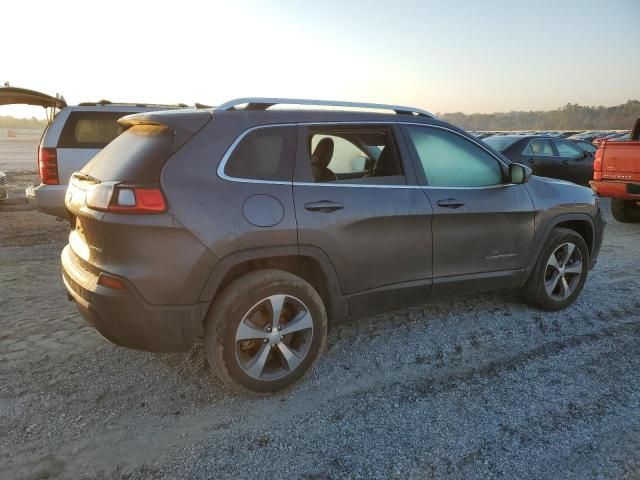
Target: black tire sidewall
column 242, row 295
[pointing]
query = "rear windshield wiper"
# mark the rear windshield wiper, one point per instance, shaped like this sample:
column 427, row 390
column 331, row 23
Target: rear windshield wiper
column 85, row 176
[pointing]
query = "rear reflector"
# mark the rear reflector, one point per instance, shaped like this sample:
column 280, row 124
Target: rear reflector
column 48, row 166
column 110, row 282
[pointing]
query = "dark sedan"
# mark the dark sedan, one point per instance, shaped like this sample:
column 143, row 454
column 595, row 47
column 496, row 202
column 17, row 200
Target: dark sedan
column 547, row 156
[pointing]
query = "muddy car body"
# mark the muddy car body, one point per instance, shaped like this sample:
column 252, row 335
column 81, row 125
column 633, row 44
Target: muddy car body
column 257, row 226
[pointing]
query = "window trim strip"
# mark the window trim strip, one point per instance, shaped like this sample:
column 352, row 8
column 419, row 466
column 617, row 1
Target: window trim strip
column 225, row 158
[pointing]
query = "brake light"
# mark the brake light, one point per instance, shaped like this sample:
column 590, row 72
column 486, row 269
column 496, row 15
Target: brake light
column 597, row 164
column 137, row 200
column 48, row 166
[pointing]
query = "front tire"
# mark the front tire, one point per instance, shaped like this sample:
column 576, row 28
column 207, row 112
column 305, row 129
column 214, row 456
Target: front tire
column 560, row 272
column 626, row 211
column 265, row 331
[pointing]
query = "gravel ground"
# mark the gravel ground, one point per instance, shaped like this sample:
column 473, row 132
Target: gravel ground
column 474, row 387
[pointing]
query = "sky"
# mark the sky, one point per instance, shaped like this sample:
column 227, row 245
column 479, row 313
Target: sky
column 442, row 56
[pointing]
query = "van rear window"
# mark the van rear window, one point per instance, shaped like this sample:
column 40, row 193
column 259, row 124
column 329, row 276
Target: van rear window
column 137, row 155
column 91, row 129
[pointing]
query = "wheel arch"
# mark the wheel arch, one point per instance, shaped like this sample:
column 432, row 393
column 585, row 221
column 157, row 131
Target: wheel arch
column 308, row 263
column 582, row 224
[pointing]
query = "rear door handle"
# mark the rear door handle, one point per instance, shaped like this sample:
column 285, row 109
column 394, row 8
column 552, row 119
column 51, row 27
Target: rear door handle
column 325, row 206
column 450, row 203
column 565, row 162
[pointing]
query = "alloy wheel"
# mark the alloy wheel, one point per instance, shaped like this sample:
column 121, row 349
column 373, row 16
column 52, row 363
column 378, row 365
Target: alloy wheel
column 274, row 337
column 563, row 271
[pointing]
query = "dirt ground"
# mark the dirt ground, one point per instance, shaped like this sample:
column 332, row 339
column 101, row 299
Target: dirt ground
column 475, row 387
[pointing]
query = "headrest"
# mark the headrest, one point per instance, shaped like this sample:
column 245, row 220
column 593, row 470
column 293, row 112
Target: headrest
column 323, row 153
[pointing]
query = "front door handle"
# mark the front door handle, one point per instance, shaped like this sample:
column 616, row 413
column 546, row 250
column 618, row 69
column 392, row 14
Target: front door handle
column 450, row 203
column 565, row 162
column 531, row 161
column 325, row 206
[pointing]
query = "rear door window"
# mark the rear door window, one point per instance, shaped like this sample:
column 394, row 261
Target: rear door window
column 264, row 154
column 359, row 154
column 539, row 148
column 567, row 150
column 91, row 129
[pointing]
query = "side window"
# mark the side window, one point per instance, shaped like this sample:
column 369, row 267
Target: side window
column 91, row 129
column 566, row 150
column 347, row 158
column 539, row 148
column 264, row 154
column 449, row 160
column 346, row 154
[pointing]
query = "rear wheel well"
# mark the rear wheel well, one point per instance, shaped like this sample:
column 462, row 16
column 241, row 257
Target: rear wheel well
column 582, row 228
column 306, row 268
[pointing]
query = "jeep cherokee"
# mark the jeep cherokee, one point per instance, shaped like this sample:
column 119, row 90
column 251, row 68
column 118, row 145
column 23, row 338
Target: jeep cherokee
column 255, row 226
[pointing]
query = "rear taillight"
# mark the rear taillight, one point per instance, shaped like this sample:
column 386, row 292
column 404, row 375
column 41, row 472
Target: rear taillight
column 597, row 164
column 48, row 166
column 131, row 199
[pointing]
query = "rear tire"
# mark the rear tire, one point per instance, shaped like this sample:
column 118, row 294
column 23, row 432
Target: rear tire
column 265, row 331
column 560, row 272
column 626, row 211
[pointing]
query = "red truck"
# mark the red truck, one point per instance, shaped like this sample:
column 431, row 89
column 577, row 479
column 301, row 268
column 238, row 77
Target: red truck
column 616, row 174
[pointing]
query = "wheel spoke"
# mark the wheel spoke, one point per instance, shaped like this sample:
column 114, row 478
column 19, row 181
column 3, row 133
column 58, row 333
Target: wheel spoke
column 553, row 262
column 247, row 332
column 277, row 301
column 570, row 248
column 566, row 291
column 290, row 356
column 574, row 268
column 551, row 284
column 257, row 366
column 302, row 321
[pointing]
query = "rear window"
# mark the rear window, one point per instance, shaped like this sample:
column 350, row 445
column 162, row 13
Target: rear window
column 137, row 155
column 500, row 143
column 91, row 129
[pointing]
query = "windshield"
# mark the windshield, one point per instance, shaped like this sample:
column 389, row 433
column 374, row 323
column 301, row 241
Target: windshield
column 500, row 143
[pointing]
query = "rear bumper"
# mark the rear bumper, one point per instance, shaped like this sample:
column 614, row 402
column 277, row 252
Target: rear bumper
column 47, row 199
column 124, row 318
column 616, row 189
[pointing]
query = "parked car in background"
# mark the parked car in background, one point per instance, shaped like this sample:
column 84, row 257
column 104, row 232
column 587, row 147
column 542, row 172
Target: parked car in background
column 586, row 146
column 4, row 189
column 73, row 136
column 546, row 156
column 616, row 174
column 622, row 138
column 257, row 227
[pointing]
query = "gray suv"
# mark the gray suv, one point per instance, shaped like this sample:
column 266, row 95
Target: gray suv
column 257, row 226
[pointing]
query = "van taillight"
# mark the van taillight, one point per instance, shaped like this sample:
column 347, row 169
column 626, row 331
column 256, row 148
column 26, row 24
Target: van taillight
column 597, row 164
column 48, row 166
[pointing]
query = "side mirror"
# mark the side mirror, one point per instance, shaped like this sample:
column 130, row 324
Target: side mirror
column 519, row 173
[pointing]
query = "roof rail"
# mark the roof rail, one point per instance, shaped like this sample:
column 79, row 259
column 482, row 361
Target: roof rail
column 260, row 103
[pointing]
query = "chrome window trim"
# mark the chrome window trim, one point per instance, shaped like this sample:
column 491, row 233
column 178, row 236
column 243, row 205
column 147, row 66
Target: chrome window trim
column 225, row 158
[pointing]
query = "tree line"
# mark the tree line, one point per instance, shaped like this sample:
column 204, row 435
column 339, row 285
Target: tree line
column 12, row 122
column 569, row 117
